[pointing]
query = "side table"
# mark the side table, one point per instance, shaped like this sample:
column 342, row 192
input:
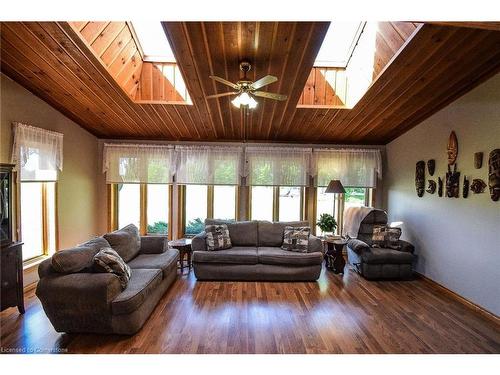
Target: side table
column 185, row 250
column 334, row 257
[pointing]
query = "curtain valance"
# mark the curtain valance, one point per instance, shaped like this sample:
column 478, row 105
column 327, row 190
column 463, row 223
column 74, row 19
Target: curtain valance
column 277, row 166
column 353, row 167
column 38, row 153
column 210, row 165
column 138, row 163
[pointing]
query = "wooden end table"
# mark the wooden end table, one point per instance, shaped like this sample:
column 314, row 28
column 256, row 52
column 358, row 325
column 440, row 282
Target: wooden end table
column 184, row 247
column 334, row 256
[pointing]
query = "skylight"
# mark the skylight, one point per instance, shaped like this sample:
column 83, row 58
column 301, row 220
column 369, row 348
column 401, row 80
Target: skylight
column 154, row 42
column 339, row 42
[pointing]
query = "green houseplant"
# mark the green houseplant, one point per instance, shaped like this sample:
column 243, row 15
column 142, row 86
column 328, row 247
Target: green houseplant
column 326, row 223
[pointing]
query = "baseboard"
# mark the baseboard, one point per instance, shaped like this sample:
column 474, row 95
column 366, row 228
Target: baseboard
column 30, row 287
column 481, row 310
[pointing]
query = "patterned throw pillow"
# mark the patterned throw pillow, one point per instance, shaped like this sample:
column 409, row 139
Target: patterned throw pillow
column 108, row 260
column 218, row 237
column 385, row 236
column 296, row 239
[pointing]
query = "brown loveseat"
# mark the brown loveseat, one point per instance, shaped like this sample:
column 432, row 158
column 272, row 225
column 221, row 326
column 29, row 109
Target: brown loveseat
column 76, row 299
column 256, row 254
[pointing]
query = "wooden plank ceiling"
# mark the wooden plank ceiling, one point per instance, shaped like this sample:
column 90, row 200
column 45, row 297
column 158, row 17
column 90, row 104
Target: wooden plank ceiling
column 417, row 69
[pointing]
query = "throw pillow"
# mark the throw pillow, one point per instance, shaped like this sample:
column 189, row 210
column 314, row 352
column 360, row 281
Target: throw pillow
column 385, row 236
column 296, row 239
column 108, row 260
column 217, row 237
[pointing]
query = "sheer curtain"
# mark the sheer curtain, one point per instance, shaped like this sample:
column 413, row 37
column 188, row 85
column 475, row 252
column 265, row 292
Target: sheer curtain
column 138, row 163
column 208, row 165
column 277, row 166
column 37, row 152
column 353, row 167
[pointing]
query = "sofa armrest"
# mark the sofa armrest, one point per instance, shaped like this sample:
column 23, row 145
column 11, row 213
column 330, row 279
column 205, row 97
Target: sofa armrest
column 406, row 246
column 45, row 268
column 358, row 246
column 153, row 244
column 80, row 293
column 315, row 245
column 199, row 243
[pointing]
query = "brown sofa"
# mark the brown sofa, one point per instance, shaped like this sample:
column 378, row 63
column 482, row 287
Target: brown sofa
column 76, row 299
column 256, row 254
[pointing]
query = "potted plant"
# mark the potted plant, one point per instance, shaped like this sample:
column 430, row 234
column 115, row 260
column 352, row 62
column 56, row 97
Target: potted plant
column 326, row 223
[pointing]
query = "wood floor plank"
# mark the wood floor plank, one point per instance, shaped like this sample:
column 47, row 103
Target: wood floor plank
column 337, row 314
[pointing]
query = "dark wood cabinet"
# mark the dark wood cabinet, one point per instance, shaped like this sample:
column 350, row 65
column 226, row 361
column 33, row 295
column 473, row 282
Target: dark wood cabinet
column 11, row 253
column 12, row 276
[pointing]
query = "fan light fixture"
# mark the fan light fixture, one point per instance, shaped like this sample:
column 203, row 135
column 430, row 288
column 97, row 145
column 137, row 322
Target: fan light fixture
column 244, row 99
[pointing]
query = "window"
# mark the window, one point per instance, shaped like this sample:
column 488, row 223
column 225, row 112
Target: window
column 335, row 204
column 38, row 219
column 224, row 204
column 158, row 205
column 147, row 206
column 154, row 42
column 276, row 203
column 262, row 206
column 339, row 43
column 129, row 205
column 195, row 209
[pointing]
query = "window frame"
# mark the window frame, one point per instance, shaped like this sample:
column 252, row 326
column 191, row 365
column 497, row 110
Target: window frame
column 181, row 217
column 46, row 251
column 276, row 202
column 113, row 204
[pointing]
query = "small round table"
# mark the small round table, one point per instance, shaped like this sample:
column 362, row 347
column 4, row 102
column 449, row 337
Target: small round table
column 184, row 247
column 334, row 257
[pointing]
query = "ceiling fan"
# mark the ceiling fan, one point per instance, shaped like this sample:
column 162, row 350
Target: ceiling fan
column 246, row 89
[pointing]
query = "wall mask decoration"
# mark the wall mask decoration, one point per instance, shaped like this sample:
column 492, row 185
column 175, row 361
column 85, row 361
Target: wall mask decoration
column 420, row 178
column 478, row 186
column 452, row 148
column 478, row 160
column 452, row 182
column 432, row 187
column 494, row 174
column 440, row 186
column 465, row 191
column 431, row 166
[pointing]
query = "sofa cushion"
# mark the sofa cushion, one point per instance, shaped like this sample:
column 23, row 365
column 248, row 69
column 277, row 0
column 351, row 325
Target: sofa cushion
column 242, row 233
column 108, row 260
column 142, row 283
column 73, row 260
column 385, row 236
column 217, row 237
column 271, row 234
column 162, row 261
column 235, row 255
column 381, row 255
column 126, row 241
column 278, row 256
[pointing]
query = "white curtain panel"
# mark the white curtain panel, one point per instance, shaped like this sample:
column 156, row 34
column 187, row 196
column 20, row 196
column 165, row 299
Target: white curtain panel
column 277, row 166
column 353, row 167
column 208, row 165
column 38, row 153
column 138, row 163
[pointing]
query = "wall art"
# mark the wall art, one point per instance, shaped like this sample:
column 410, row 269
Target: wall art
column 478, row 160
column 431, row 166
column 440, row 186
column 465, row 190
column 420, row 178
column 431, row 189
column 494, row 174
column 452, row 148
column 452, row 182
column 478, row 186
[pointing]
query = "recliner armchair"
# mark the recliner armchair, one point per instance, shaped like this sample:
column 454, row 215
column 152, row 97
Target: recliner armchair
column 375, row 262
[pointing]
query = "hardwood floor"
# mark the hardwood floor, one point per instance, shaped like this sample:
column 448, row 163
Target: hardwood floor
column 334, row 315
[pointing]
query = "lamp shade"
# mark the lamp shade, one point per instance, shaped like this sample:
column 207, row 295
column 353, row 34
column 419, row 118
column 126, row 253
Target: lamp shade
column 335, row 186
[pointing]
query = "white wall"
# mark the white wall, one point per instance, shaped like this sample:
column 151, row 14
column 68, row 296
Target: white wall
column 457, row 240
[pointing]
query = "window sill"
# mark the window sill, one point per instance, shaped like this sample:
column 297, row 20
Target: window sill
column 32, row 263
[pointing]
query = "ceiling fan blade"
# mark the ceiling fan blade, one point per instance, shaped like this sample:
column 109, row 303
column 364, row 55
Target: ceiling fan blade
column 225, row 82
column 220, row 95
column 264, row 81
column 269, row 95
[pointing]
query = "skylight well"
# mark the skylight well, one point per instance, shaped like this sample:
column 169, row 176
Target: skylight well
column 339, row 43
column 154, row 42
